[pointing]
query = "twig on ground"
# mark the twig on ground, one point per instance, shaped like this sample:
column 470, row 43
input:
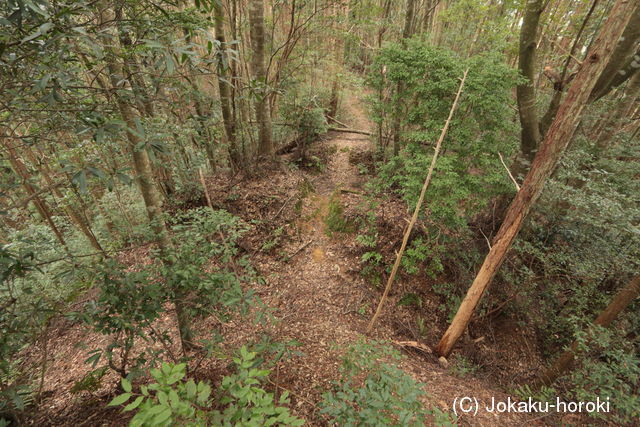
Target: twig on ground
column 282, row 208
column 300, row 249
column 333, row 119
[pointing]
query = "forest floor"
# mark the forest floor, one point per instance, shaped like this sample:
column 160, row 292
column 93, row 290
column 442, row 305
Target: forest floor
column 312, row 285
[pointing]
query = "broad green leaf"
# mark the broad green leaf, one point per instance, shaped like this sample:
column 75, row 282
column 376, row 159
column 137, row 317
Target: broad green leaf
column 119, row 400
column 133, row 405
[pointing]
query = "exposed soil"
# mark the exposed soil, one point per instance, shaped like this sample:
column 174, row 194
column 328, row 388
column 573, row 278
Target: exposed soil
column 314, row 286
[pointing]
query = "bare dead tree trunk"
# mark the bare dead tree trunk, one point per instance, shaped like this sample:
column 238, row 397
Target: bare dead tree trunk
column 263, row 117
column 564, row 363
column 416, row 212
column 547, row 157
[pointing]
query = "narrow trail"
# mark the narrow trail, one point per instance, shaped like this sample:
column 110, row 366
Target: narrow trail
column 313, row 286
column 324, row 303
column 313, row 292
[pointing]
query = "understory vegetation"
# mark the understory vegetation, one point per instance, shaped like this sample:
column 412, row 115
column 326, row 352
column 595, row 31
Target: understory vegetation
column 206, row 210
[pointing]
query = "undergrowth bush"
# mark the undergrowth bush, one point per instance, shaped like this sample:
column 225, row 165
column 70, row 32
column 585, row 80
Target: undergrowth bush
column 172, row 400
column 374, row 391
column 469, row 173
column 21, row 320
column 202, row 270
column 610, row 368
column 581, row 244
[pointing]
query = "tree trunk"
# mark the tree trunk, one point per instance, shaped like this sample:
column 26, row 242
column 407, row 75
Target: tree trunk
column 40, row 204
column 397, row 119
column 562, row 80
column 621, row 300
column 623, row 63
column 144, row 178
column 263, row 117
column 545, row 161
column 224, row 84
column 74, row 215
column 133, row 71
column 339, row 55
column 525, row 92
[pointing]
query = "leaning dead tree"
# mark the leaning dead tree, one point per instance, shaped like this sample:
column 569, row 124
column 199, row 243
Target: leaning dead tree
column 414, row 218
column 555, row 143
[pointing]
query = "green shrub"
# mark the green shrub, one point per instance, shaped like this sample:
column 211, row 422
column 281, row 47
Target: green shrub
column 167, row 402
column 24, row 314
column 468, row 173
column 462, row 366
column 125, row 309
column 609, row 368
column 202, row 236
column 172, row 400
column 580, row 246
column 417, row 253
column 246, row 403
column 130, row 301
column 372, row 391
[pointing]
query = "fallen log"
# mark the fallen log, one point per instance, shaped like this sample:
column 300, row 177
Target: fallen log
column 346, row 130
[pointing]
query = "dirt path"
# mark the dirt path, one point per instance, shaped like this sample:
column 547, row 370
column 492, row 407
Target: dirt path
column 312, row 284
column 325, row 304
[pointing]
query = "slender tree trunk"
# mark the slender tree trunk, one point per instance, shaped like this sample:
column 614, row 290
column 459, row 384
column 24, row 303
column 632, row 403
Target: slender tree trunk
column 427, row 17
column 40, row 204
column 224, row 85
column 561, row 80
column 144, row 178
column 386, row 10
column 263, row 117
column 133, row 71
column 621, row 112
column 525, row 92
column 397, row 119
column 564, row 363
column 624, row 61
column 74, row 215
column 547, row 157
column 339, row 55
column 436, row 23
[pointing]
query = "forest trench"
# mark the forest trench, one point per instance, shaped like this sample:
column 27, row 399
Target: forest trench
column 318, row 298
column 325, row 303
column 218, row 189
